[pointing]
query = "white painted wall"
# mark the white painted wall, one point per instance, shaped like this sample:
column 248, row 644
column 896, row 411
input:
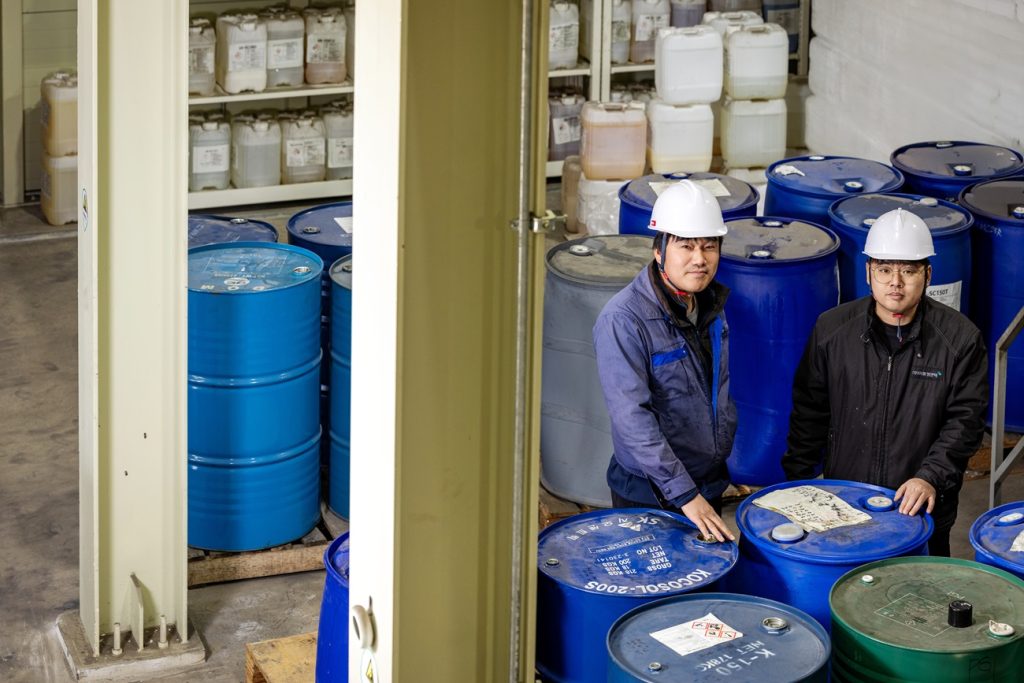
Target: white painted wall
column 884, row 73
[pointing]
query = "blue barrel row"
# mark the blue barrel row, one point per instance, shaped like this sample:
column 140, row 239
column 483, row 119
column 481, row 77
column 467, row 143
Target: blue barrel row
column 256, row 389
column 645, row 587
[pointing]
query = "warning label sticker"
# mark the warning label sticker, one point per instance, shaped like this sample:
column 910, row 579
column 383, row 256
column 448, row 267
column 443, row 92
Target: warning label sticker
column 696, row 635
column 812, row 508
column 948, row 293
column 1018, row 544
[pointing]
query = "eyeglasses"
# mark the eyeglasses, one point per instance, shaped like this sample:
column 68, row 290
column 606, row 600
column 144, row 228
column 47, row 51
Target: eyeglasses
column 883, row 275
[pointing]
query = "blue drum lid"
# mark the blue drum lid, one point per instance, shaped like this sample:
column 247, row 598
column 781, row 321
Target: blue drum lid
column 244, row 267
column 1001, row 200
column 767, row 239
column 999, row 531
column 330, row 225
column 941, row 217
column 336, row 559
column 604, row 261
column 341, row 272
column 825, row 176
column 956, row 159
column 732, row 193
column 631, row 553
column 206, row 229
column 748, row 639
column 886, row 534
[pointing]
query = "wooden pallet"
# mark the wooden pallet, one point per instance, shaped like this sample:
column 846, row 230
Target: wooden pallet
column 981, row 462
column 303, row 555
column 282, row 660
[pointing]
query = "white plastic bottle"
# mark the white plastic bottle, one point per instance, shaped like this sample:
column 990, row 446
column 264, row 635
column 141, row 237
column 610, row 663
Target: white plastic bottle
column 286, row 33
column 338, row 127
column 753, row 132
column 59, row 189
column 757, row 63
column 563, row 35
column 597, row 206
column 59, row 117
column 325, row 46
column 202, row 44
column 255, row 153
column 688, row 12
column 564, row 128
column 614, row 140
column 648, row 17
column 622, row 23
column 679, row 137
column 727, row 22
column 209, row 152
column 241, row 58
column 303, row 150
column 689, row 65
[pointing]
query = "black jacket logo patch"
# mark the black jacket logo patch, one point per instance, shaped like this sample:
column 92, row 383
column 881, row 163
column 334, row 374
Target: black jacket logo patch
column 927, row 373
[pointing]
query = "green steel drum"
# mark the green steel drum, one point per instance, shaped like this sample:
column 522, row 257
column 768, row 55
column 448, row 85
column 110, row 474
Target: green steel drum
column 927, row 619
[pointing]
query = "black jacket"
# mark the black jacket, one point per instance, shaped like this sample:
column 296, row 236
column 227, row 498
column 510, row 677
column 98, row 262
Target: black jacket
column 883, row 418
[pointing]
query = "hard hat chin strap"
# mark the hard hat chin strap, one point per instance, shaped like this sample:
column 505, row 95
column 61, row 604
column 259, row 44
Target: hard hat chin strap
column 679, row 293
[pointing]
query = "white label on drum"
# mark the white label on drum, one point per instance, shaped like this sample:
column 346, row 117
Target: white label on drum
column 564, row 37
column 210, row 159
column 566, row 129
column 715, row 186
column 345, row 223
column 284, row 54
column 304, row 152
column 647, row 26
column 324, row 50
column 200, row 60
column 246, row 56
column 696, row 635
column 1018, row 544
column 339, row 152
column 948, row 293
column 812, row 508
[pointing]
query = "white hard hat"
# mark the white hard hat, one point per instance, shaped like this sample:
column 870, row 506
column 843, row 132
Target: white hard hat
column 899, row 235
column 686, row 209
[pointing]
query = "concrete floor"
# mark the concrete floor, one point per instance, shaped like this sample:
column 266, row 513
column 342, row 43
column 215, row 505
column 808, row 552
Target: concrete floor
column 39, row 479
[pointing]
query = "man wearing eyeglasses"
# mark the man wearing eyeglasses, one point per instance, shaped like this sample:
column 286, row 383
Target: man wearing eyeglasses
column 892, row 388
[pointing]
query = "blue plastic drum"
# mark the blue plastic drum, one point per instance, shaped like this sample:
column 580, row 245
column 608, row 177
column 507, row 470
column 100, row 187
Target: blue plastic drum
column 782, row 274
column 595, row 567
column 205, row 229
column 997, row 292
column 998, row 538
column 708, row 637
column 341, row 386
column 254, row 366
column 944, row 168
column 780, row 559
column 805, row 187
column 637, row 197
column 332, row 632
column 950, row 225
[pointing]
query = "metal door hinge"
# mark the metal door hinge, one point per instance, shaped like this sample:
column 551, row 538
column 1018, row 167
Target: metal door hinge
column 549, row 222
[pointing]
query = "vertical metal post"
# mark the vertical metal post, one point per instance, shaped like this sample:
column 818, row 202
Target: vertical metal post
column 1000, row 465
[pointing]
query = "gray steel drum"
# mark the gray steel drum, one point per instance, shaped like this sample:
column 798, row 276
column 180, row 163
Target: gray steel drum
column 575, row 432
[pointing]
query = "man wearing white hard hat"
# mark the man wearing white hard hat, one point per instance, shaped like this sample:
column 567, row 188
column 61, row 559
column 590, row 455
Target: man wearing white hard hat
column 663, row 360
column 892, row 388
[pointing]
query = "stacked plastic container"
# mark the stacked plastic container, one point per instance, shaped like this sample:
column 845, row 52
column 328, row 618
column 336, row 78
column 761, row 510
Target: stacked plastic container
column 209, row 152
column 326, row 34
column 339, row 125
column 612, row 148
column 59, row 124
column 563, row 35
column 754, row 122
column 649, row 17
column 202, row 45
column 688, row 12
column 241, row 55
column 688, row 78
column 564, row 125
column 255, row 151
column 303, row 150
column 286, row 34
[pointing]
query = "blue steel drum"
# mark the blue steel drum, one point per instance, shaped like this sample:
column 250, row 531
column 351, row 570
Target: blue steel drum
column 804, row 187
column 595, row 567
column 780, row 560
column 782, row 274
column 332, row 631
column 998, row 538
column 997, row 293
column 637, row 197
column 326, row 231
column 254, row 365
column 944, row 168
column 205, row 229
column 341, row 386
column 950, row 225
column 708, row 637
